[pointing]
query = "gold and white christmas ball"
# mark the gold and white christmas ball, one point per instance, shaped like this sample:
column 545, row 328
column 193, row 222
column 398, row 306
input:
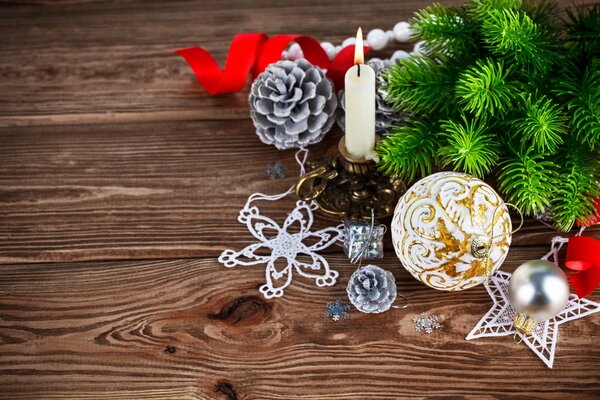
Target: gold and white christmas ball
column 438, row 227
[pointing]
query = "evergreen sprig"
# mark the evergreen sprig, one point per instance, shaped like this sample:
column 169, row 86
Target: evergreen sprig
column 443, row 28
column 479, row 10
column 543, row 12
column 583, row 28
column 470, row 147
column 523, row 101
column 486, row 88
column 577, row 188
column 410, row 151
column 513, row 35
column 582, row 98
column 527, row 180
column 420, row 84
column 542, row 123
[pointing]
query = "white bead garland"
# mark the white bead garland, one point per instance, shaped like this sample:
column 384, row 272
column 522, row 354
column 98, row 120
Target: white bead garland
column 329, row 49
column 348, row 42
column 402, row 31
column 377, row 39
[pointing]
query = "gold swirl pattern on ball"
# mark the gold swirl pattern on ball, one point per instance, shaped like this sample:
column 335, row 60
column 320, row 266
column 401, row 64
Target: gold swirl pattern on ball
column 435, row 222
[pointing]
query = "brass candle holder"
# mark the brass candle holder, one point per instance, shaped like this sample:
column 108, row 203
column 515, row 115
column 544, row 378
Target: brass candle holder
column 345, row 186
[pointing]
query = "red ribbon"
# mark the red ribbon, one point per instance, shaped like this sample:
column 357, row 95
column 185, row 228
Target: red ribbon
column 253, row 52
column 583, row 255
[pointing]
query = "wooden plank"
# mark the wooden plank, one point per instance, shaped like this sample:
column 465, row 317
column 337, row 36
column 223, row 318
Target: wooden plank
column 112, row 62
column 141, row 191
column 191, row 329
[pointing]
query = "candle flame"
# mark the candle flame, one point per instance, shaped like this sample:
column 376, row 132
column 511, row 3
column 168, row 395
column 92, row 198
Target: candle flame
column 359, row 55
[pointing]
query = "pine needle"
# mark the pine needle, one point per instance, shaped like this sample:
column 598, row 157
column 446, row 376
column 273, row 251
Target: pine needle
column 470, row 147
column 410, row 151
column 527, row 180
column 486, row 88
column 577, row 188
column 514, row 36
column 542, row 123
column 421, row 85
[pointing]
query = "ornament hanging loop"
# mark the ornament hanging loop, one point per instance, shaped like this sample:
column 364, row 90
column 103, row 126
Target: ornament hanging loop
column 403, row 306
column 518, row 339
column 481, row 246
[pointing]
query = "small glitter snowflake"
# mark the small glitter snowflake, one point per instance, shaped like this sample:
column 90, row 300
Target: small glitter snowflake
column 337, row 310
column 427, row 323
column 275, row 171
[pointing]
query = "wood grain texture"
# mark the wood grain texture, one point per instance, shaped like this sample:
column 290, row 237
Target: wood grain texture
column 109, row 150
column 98, row 62
column 191, row 329
column 140, row 191
column 112, row 62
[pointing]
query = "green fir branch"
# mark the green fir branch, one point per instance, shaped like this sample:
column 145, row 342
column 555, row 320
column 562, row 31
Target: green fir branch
column 445, row 28
column 543, row 12
column 479, row 10
column 420, row 84
column 526, row 180
column 514, row 36
column 583, row 28
column 410, row 151
column 531, row 80
column 542, row 123
column 470, row 147
column 486, row 88
column 581, row 95
column 577, row 188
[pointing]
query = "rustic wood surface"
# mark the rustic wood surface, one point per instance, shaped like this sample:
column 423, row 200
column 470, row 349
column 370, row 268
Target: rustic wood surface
column 120, row 183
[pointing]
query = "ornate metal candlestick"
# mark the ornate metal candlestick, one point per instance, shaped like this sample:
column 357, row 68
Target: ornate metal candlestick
column 345, row 186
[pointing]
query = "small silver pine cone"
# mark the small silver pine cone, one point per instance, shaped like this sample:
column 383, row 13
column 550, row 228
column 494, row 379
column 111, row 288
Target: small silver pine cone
column 372, row 289
column 292, row 104
column 385, row 115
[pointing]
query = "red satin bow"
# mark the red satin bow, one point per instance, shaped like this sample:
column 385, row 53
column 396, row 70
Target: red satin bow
column 253, row 52
column 583, row 255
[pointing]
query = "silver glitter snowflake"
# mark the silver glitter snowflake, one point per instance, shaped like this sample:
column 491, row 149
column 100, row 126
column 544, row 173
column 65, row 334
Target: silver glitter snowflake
column 426, row 323
column 337, row 310
column 275, row 171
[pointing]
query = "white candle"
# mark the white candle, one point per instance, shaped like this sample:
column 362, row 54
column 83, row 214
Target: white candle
column 360, row 105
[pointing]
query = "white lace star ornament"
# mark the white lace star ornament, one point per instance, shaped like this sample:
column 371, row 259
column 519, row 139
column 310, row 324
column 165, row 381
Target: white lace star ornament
column 284, row 245
column 499, row 319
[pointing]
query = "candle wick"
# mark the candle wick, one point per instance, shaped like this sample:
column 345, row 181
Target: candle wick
column 358, row 70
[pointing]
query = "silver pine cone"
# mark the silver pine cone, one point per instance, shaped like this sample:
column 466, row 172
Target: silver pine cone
column 385, row 115
column 372, row 289
column 292, row 104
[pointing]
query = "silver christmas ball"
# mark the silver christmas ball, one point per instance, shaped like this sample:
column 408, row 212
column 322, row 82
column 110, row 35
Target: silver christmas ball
column 539, row 289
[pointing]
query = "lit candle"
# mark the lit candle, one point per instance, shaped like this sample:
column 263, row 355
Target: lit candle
column 360, row 105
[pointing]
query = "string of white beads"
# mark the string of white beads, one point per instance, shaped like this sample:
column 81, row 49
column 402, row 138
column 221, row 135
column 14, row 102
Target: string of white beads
column 377, row 39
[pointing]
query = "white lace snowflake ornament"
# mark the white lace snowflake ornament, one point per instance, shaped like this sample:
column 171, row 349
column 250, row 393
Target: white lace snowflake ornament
column 499, row 319
column 287, row 243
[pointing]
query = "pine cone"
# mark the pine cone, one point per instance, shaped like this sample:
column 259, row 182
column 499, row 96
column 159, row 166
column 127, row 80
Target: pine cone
column 292, row 104
column 372, row 289
column 385, row 114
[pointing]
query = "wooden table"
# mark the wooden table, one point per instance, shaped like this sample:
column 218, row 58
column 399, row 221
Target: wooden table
column 120, row 183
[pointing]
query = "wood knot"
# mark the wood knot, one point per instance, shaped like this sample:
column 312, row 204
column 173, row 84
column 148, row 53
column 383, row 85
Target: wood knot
column 226, row 388
column 242, row 308
column 170, row 349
